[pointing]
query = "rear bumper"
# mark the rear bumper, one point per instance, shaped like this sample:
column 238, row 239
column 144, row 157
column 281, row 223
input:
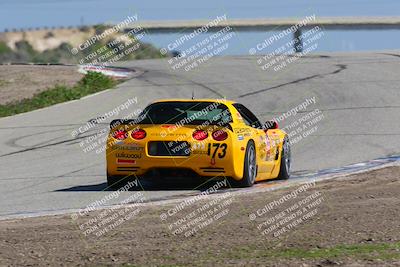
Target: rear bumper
column 128, row 159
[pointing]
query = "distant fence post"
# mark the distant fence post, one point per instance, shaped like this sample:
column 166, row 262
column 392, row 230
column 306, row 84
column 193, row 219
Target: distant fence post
column 298, row 43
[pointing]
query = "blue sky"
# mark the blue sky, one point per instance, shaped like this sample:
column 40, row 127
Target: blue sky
column 38, row 13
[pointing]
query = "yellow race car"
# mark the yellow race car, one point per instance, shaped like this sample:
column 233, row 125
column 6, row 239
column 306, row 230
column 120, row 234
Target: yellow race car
column 197, row 138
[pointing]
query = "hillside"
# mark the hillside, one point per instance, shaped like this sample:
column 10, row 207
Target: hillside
column 55, row 45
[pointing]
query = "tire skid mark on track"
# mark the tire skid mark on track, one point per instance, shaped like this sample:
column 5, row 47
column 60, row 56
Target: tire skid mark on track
column 66, row 141
column 389, row 54
column 208, row 88
column 13, row 141
column 39, row 126
column 341, row 67
column 181, row 78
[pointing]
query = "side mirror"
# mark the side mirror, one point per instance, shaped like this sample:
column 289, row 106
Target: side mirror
column 270, row 125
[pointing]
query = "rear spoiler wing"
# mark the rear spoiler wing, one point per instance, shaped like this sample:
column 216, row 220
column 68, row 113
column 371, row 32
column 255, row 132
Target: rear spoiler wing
column 132, row 122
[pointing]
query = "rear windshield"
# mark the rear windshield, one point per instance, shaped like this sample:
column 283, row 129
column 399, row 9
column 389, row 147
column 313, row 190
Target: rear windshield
column 189, row 113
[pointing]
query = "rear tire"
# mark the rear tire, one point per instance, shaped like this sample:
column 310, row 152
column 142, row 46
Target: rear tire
column 250, row 166
column 284, row 172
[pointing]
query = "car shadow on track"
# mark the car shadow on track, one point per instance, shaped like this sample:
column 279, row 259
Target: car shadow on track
column 156, row 185
column 84, row 188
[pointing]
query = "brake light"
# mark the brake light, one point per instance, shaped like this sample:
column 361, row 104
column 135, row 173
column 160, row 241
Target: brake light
column 200, row 135
column 120, row 134
column 219, row 135
column 138, row 134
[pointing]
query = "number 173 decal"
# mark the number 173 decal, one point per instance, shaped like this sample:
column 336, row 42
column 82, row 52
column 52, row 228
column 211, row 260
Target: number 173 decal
column 217, row 149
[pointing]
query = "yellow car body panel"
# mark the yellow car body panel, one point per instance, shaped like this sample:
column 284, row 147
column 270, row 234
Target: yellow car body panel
column 207, row 158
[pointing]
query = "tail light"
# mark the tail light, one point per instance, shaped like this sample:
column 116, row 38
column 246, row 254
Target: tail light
column 219, row 135
column 138, row 134
column 200, row 135
column 120, row 134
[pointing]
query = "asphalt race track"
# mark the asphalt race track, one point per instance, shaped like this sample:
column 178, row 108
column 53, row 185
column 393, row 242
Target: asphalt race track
column 44, row 168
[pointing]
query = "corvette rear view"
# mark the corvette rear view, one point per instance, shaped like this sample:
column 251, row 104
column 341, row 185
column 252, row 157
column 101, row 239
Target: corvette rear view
column 196, row 138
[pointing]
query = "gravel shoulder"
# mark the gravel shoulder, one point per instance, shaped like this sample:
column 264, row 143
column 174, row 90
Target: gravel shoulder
column 349, row 221
column 18, row 82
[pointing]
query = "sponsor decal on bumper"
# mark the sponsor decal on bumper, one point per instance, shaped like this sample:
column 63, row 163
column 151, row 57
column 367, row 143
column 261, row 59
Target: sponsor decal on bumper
column 126, row 161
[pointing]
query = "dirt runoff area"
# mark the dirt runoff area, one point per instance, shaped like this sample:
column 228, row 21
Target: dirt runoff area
column 23, row 81
column 349, row 221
